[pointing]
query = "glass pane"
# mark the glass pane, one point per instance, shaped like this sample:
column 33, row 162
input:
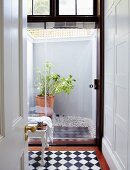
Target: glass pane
column 29, row 7
column 84, row 7
column 62, row 52
column 66, row 7
column 41, row 7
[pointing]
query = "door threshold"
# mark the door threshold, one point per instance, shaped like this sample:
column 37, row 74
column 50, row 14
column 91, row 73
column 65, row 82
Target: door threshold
column 65, row 142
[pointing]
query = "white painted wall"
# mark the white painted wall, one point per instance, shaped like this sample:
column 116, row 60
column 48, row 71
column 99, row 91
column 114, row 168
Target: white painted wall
column 71, row 56
column 94, row 74
column 116, row 141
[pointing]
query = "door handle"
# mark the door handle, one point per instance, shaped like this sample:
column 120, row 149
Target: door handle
column 90, row 85
column 29, row 128
column 95, row 84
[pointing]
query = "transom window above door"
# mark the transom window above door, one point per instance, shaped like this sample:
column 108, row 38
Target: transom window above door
column 38, row 7
column 61, row 7
column 75, row 7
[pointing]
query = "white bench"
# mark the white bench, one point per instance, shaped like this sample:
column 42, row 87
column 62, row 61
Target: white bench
column 40, row 134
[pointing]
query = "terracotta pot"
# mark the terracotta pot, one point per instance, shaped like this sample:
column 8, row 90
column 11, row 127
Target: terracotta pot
column 40, row 101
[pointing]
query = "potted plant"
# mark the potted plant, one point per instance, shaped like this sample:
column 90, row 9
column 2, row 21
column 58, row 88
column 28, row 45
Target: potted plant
column 50, row 84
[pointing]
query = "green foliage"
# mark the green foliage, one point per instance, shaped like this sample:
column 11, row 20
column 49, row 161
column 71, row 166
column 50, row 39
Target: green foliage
column 41, row 7
column 54, row 83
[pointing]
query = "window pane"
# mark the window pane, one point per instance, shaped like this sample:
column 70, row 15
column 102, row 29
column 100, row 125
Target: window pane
column 84, row 7
column 29, row 7
column 41, row 7
column 66, row 7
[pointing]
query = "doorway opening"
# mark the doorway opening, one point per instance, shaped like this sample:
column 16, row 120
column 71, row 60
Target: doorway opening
column 67, row 50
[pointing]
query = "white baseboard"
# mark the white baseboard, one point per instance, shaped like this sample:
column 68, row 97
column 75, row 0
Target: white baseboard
column 109, row 156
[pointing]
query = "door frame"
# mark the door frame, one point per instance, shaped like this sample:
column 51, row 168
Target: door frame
column 99, row 20
column 100, row 75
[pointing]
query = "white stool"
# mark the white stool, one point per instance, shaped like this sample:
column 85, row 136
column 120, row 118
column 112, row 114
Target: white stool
column 43, row 135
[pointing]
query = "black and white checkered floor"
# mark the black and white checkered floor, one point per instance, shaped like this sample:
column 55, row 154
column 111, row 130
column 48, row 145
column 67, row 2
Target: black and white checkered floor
column 64, row 160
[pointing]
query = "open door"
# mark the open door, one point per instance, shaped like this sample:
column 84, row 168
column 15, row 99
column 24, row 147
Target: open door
column 13, row 100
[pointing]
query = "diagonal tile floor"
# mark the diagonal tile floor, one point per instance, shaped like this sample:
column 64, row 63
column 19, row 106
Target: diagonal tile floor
column 64, row 160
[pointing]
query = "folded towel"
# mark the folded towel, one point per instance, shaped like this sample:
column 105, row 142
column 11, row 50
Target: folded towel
column 46, row 120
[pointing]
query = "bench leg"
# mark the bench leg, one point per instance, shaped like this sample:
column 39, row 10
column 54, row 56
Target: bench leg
column 47, row 145
column 43, row 140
